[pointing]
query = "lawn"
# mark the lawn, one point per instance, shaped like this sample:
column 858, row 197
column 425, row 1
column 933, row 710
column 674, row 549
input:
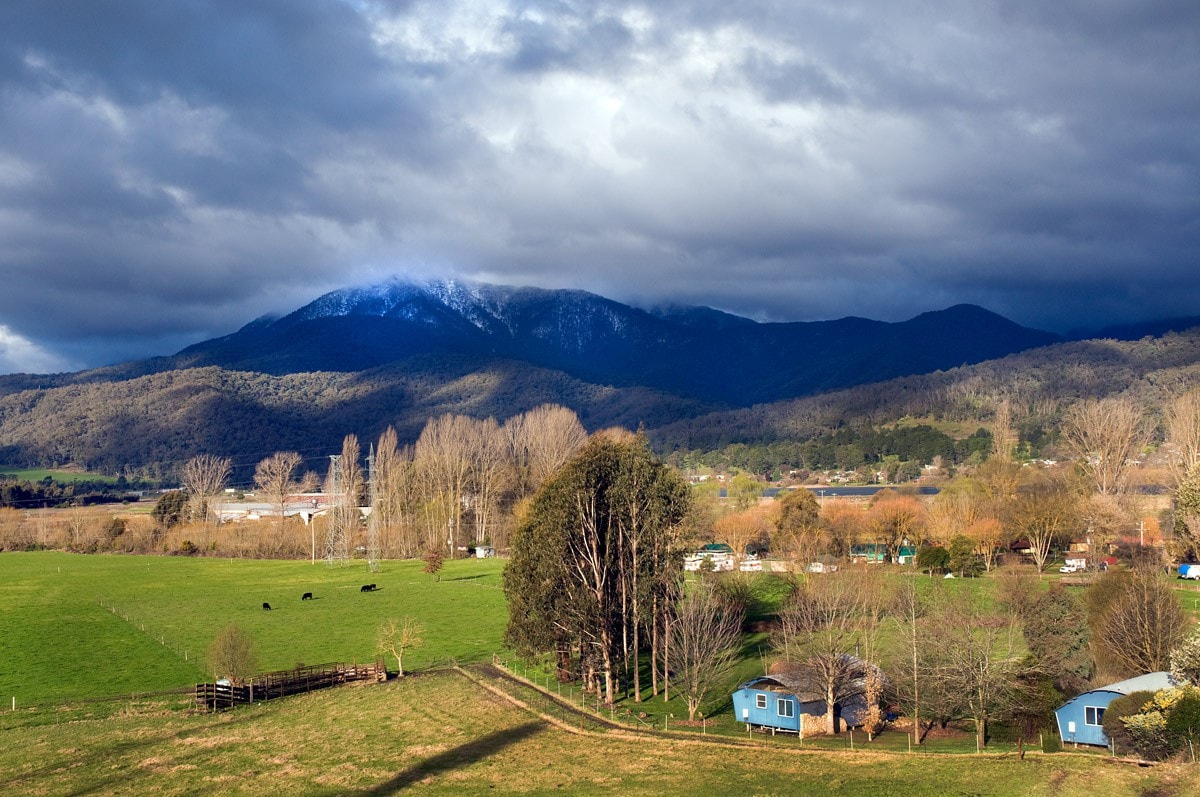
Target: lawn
column 76, row 626
column 442, row 734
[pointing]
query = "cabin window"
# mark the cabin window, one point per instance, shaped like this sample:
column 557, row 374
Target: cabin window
column 1093, row 716
column 760, row 701
column 785, row 708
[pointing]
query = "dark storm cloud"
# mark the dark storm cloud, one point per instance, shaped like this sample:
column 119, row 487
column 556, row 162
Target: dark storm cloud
column 169, row 171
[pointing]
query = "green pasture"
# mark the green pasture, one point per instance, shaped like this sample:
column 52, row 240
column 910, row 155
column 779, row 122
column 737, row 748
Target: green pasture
column 1189, row 596
column 443, row 734
column 59, row 476
column 77, row 626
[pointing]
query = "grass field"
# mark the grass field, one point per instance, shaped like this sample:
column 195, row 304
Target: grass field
column 442, row 734
column 60, row 476
column 60, row 638
column 76, row 627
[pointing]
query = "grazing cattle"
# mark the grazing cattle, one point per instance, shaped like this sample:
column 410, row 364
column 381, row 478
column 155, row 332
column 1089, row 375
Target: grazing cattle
column 367, row 588
column 266, row 607
column 306, row 596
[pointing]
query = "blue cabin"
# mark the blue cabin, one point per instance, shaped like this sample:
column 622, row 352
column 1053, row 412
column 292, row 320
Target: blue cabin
column 777, row 702
column 794, row 703
column 1081, row 718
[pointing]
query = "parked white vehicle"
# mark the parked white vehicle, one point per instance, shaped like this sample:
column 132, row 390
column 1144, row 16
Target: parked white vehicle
column 1068, row 569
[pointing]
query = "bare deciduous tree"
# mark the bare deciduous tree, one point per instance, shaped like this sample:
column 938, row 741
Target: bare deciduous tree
column 275, row 477
column 845, row 522
column 1141, row 625
column 959, row 505
column 395, row 495
column 444, row 456
column 895, row 519
column 908, row 611
column 1183, row 444
column 397, row 636
column 232, row 655
column 1103, row 435
column 1004, row 438
column 977, row 661
column 1043, row 512
column 491, row 473
column 819, row 630
column 989, row 536
column 204, row 477
column 542, row 440
column 1182, row 423
column 705, row 634
column 745, row 529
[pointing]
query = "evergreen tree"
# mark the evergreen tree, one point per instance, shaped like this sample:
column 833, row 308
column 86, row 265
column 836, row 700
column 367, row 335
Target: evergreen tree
column 598, row 547
column 1057, row 633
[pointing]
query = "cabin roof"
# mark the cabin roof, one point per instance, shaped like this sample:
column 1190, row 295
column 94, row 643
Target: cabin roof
column 1150, row 682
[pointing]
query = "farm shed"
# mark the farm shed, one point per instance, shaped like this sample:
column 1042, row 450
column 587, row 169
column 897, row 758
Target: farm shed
column 1080, row 719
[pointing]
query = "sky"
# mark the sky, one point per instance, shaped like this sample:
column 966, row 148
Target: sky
column 172, row 170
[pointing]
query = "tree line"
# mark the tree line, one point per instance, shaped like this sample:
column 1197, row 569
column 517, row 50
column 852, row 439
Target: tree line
column 26, row 494
column 459, row 485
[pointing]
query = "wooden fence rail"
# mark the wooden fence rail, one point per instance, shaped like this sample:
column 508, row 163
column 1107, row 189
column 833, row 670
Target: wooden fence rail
column 268, row 686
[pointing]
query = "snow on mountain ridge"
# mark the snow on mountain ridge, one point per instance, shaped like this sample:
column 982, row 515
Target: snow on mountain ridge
column 568, row 317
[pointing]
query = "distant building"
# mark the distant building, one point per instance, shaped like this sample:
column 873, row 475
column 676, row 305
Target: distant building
column 877, row 553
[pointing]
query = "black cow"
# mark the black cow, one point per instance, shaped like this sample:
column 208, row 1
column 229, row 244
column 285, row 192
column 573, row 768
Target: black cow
column 306, row 596
column 266, row 607
column 367, row 588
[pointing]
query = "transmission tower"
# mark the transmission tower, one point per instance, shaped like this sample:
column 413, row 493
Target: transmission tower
column 373, row 519
column 335, row 537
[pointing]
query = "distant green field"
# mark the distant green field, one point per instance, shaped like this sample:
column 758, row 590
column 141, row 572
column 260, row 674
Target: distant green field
column 60, row 476
column 60, row 640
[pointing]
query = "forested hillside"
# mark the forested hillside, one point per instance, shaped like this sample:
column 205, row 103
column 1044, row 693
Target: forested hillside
column 1038, row 384
column 150, row 424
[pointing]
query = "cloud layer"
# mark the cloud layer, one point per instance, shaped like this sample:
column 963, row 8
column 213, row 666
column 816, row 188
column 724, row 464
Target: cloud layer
column 169, row 171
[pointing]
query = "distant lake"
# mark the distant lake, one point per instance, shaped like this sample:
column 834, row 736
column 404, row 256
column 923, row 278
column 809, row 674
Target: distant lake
column 865, row 491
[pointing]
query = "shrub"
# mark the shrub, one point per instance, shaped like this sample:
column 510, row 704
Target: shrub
column 232, row 655
column 1115, row 714
column 931, row 558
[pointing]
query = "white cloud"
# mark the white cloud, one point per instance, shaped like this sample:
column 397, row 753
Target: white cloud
column 19, row 355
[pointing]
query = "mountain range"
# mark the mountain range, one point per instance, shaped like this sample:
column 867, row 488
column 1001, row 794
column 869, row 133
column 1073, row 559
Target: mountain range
column 695, row 352
column 356, row 360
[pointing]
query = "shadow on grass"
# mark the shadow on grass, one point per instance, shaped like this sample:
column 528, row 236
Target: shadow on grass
column 455, row 758
column 468, row 578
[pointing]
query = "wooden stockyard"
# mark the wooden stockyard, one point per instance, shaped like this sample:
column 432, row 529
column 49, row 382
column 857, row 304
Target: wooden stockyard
column 268, row 686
